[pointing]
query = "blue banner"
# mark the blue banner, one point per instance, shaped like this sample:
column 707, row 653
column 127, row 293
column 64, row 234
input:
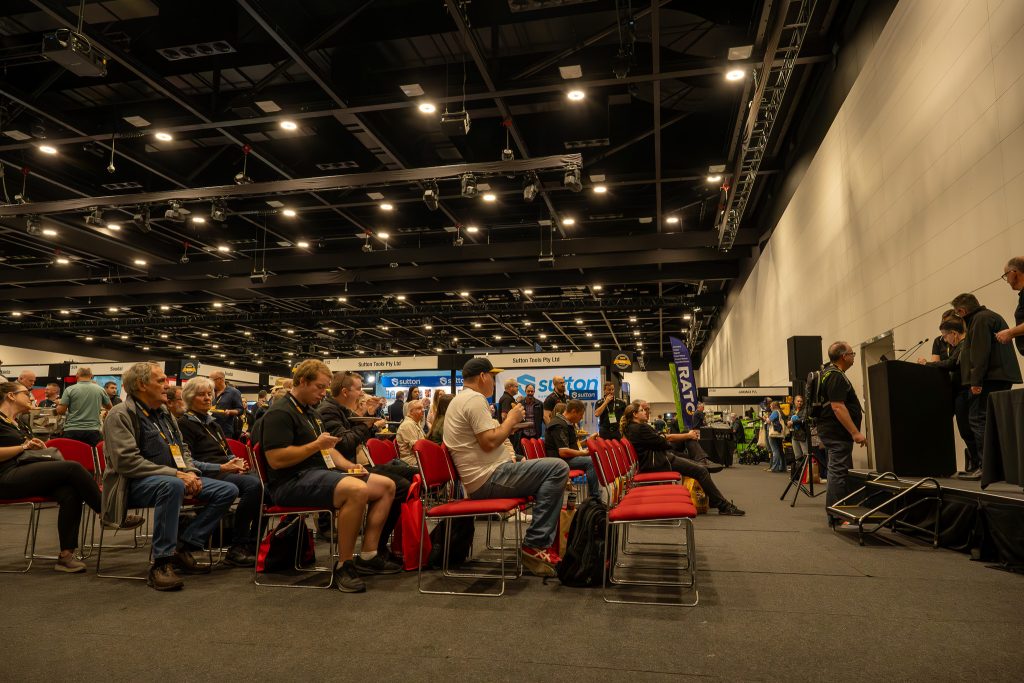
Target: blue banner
column 686, row 387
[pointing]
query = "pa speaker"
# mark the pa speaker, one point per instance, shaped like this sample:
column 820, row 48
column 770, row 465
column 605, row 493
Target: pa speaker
column 804, row 356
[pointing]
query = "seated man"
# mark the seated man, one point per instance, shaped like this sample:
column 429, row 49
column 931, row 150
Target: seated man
column 306, row 470
column 213, row 457
column 148, row 465
column 337, row 411
column 560, row 441
column 488, row 470
column 409, row 432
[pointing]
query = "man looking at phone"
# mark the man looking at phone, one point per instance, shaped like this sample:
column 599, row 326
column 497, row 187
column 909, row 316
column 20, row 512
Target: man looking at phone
column 307, row 469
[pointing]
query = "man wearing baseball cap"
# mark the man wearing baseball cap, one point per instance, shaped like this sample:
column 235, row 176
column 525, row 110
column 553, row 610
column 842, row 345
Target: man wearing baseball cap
column 476, row 443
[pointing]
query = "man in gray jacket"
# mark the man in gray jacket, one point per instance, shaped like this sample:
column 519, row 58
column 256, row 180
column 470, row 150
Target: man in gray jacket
column 148, row 465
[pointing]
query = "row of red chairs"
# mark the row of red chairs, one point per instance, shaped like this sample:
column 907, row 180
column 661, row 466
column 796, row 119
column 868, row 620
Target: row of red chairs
column 650, row 499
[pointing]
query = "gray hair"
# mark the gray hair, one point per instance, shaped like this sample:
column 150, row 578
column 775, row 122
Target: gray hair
column 137, row 375
column 967, row 301
column 837, row 350
column 84, row 372
column 193, row 387
column 409, row 405
column 1017, row 263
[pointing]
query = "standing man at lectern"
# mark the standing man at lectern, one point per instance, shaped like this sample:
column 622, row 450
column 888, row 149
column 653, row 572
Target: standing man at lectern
column 839, row 424
column 1013, row 273
column 985, row 365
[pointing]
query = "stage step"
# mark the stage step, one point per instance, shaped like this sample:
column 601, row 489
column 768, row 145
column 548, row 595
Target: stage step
column 883, row 500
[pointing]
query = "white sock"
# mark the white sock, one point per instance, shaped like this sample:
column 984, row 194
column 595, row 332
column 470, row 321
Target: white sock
column 368, row 555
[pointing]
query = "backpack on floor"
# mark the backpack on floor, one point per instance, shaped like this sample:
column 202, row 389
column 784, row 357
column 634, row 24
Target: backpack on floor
column 459, row 545
column 582, row 566
column 279, row 547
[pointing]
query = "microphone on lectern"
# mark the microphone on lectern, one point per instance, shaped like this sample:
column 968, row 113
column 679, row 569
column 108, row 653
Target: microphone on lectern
column 912, row 349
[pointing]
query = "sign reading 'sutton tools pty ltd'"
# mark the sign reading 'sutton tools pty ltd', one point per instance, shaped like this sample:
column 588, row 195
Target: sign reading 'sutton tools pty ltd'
column 544, row 360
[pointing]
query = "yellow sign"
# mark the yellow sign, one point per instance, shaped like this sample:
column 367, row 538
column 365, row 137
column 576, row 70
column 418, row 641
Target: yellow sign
column 622, row 362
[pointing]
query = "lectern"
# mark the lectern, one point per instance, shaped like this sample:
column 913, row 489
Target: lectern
column 912, row 419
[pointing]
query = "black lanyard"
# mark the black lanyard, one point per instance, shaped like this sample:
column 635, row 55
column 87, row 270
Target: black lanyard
column 309, row 419
column 157, row 422
column 214, row 434
column 17, row 425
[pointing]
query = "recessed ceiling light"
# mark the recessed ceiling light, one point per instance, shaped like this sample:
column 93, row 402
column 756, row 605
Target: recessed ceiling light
column 163, row 336
column 165, row 308
column 290, row 331
column 579, row 321
column 632, row 318
column 497, row 336
column 65, row 311
column 489, row 197
column 124, row 336
column 527, row 292
column 145, row 348
column 636, row 333
column 163, row 137
column 139, row 262
column 427, row 108
column 47, row 149
column 113, row 309
column 178, row 347
column 383, row 235
column 476, row 324
column 428, row 326
column 329, row 329
column 62, row 260
column 342, row 299
column 600, row 189
column 223, row 248
column 287, row 124
column 302, row 244
column 113, row 226
column 568, row 221
column 463, row 293
column 215, row 346
column 16, row 314
column 527, row 323
column 672, row 220
column 204, row 334
column 199, row 220
column 88, row 339
column 400, row 297
column 590, row 334
column 360, row 352
column 49, row 232
column 686, row 316
column 247, row 333
column 714, row 178
column 472, row 229
column 598, row 287
column 542, row 335
column 288, row 213
column 385, row 206
column 597, row 345
column 735, row 74
column 385, row 328
column 217, row 304
column 554, row 346
column 575, row 95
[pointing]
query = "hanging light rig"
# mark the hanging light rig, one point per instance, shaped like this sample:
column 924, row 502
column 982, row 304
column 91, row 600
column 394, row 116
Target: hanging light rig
column 242, row 177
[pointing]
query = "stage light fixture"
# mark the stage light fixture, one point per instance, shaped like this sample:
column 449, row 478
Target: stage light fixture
column 468, row 186
column 141, row 219
column 431, row 196
column 530, row 187
column 174, row 212
column 95, row 218
column 572, row 178
column 218, row 210
column 34, row 226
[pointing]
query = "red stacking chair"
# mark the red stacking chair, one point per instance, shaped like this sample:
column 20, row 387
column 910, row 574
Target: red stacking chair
column 35, row 505
column 84, row 455
column 241, row 451
column 381, row 451
column 438, row 471
column 644, row 478
column 268, row 509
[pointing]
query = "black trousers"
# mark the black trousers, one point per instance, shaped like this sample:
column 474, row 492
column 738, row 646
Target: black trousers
column 66, row 482
column 91, row 437
column 961, row 412
column 689, row 468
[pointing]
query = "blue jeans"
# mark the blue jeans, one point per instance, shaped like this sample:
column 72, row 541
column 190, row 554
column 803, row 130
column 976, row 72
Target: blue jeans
column 583, row 462
column 544, row 479
column 778, row 459
column 840, row 460
column 165, row 494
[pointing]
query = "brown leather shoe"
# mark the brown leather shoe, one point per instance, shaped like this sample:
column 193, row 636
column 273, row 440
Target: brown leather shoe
column 162, row 577
column 132, row 522
column 186, row 564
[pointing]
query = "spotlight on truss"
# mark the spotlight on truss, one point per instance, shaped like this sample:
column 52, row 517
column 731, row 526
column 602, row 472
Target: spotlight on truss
column 468, row 186
column 572, row 178
column 431, row 196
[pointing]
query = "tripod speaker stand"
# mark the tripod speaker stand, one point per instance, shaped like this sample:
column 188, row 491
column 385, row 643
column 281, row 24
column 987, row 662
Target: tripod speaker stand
column 803, row 468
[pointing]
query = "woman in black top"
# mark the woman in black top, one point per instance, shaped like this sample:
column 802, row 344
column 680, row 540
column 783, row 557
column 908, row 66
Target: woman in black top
column 66, row 482
column 952, row 335
column 655, row 454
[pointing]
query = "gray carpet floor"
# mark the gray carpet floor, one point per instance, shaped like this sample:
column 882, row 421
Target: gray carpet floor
column 782, row 598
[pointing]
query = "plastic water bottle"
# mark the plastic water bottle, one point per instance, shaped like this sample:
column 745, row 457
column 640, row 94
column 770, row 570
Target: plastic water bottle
column 571, row 503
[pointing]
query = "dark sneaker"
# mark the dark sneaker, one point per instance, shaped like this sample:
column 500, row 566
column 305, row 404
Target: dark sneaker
column 346, row 578
column 973, row 475
column 378, row 565
column 162, row 577
column 540, row 562
column 132, row 522
column 239, row 556
column 186, row 564
column 731, row 510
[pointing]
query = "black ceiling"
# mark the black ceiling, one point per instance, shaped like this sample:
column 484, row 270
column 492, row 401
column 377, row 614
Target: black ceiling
column 646, row 249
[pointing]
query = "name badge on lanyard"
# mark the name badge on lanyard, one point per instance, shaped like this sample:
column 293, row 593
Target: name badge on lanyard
column 179, row 459
column 328, row 460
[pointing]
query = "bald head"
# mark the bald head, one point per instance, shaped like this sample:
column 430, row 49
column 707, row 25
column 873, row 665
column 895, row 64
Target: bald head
column 27, row 379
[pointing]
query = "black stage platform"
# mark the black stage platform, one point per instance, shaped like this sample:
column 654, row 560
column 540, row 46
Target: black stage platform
column 987, row 524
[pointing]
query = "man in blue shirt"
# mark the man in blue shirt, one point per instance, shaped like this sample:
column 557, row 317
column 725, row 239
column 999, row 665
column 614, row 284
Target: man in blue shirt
column 227, row 405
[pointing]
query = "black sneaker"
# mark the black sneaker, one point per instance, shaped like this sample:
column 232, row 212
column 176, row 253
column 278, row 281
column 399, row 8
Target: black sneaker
column 346, row 578
column 239, row 556
column 378, row 565
column 162, row 577
column 731, row 510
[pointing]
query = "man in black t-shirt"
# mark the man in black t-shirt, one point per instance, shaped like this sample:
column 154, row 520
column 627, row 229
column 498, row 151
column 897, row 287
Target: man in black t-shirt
column 307, row 470
column 1013, row 273
column 839, row 424
column 609, row 413
column 505, row 403
column 554, row 398
column 561, row 441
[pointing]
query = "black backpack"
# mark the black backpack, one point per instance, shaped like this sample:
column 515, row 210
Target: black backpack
column 582, row 566
column 459, row 545
column 814, row 399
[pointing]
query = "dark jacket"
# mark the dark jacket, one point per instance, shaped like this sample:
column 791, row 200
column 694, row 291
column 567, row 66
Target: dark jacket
column 396, row 411
column 951, row 365
column 653, row 451
column 983, row 358
column 336, row 421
